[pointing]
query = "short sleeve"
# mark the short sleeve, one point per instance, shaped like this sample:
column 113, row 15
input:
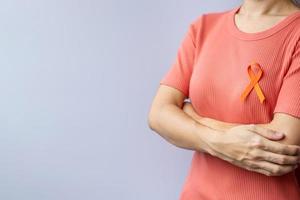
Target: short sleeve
column 179, row 74
column 288, row 100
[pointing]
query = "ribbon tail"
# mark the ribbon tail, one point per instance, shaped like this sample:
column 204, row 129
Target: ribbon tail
column 259, row 93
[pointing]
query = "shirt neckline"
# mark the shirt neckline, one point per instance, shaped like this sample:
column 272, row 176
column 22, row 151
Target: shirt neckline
column 235, row 31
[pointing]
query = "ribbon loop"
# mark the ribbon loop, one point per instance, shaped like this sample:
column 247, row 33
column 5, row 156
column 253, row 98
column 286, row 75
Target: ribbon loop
column 254, row 83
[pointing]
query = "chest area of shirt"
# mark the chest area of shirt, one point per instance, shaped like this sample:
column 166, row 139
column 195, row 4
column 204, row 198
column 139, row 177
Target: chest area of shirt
column 232, row 80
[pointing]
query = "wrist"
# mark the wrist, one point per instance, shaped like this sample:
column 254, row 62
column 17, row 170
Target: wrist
column 212, row 124
column 207, row 139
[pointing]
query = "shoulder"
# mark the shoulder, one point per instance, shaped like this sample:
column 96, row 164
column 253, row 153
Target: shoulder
column 296, row 27
column 204, row 23
column 292, row 41
column 210, row 18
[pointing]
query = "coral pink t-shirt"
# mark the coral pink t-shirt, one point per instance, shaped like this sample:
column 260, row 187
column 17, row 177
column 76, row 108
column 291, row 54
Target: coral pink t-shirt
column 211, row 70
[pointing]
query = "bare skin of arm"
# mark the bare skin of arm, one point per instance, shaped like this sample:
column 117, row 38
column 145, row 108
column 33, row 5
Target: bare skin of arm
column 282, row 123
column 285, row 124
column 168, row 118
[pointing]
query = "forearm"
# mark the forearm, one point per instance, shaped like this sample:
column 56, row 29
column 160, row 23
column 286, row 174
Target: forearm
column 222, row 127
column 216, row 125
column 180, row 129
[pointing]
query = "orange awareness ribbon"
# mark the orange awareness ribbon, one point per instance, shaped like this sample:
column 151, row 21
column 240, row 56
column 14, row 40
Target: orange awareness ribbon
column 254, row 83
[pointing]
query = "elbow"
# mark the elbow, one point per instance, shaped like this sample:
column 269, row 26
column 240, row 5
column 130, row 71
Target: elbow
column 151, row 120
column 154, row 117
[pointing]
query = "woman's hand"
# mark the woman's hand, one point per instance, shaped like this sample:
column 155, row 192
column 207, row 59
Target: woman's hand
column 243, row 147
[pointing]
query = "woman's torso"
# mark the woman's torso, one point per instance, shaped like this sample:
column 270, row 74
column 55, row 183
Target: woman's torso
column 219, row 77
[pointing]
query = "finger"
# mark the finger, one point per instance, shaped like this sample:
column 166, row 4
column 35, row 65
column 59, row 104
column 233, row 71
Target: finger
column 262, row 167
column 247, row 167
column 261, row 171
column 274, row 169
column 275, row 158
column 266, row 132
column 279, row 148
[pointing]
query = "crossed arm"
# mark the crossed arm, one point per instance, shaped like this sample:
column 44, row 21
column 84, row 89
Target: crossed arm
column 246, row 146
column 287, row 124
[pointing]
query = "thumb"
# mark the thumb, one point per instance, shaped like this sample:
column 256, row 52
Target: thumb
column 266, row 132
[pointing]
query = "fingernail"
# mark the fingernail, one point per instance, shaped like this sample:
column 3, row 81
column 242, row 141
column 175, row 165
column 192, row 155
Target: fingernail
column 279, row 133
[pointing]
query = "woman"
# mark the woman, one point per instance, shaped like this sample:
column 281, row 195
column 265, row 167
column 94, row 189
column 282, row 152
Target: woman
column 240, row 69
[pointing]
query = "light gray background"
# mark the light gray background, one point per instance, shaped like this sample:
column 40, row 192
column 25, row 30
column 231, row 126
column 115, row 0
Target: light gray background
column 77, row 79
